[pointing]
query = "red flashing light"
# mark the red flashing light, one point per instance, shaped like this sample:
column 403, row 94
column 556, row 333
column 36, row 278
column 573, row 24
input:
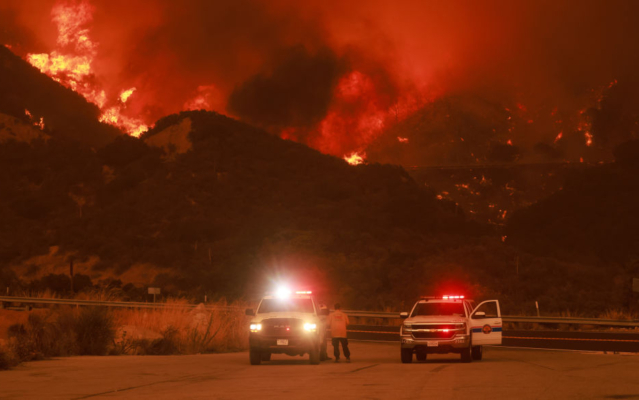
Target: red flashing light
column 304, row 292
column 453, row 297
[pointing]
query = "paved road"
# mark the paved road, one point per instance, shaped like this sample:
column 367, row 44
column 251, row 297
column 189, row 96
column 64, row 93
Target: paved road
column 375, row 373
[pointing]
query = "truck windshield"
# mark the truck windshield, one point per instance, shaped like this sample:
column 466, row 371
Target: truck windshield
column 286, row 305
column 447, row 309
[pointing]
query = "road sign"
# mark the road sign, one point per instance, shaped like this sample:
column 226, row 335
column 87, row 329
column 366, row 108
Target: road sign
column 154, row 291
column 635, row 285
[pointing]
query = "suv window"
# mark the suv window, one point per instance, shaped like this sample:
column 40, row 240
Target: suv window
column 448, row 309
column 490, row 309
column 286, row 305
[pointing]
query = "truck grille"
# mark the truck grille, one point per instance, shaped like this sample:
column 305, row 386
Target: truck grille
column 433, row 335
column 282, row 327
column 436, row 326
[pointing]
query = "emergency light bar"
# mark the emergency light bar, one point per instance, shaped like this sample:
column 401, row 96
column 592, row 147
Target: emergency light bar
column 453, row 297
column 284, row 292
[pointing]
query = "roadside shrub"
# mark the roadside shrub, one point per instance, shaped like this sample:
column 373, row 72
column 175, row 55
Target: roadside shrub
column 94, row 331
column 7, row 359
column 34, row 340
column 168, row 344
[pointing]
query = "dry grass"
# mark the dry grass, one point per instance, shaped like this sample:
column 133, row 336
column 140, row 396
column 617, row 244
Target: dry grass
column 64, row 330
column 179, row 330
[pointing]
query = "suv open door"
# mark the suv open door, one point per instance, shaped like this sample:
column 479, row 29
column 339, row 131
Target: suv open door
column 485, row 322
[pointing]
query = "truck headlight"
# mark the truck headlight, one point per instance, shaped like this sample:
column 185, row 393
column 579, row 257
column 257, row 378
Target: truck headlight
column 256, row 327
column 310, row 327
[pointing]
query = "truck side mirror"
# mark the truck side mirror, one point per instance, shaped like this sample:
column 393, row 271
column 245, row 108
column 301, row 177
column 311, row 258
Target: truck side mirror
column 479, row 315
column 403, row 315
column 250, row 312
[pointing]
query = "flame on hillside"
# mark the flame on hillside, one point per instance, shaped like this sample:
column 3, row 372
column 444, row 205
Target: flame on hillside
column 70, row 63
column 355, row 158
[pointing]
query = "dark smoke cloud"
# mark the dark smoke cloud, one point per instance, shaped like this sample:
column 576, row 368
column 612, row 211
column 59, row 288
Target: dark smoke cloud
column 296, row 93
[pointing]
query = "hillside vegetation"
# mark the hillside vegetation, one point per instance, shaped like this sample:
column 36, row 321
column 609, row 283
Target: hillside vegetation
column 235, row 210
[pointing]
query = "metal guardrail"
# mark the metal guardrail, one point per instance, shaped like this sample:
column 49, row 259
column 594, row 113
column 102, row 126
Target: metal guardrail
column 353, row 313
column 514, row 319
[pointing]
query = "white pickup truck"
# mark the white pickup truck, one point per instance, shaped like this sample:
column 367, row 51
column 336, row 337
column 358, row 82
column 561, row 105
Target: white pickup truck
column 286, row 323
column 450, row 324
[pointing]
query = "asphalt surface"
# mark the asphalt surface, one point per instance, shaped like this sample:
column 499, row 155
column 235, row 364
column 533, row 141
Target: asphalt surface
column 374, row 373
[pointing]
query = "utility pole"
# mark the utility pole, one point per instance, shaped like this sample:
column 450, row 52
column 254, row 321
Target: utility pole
column 71, row 273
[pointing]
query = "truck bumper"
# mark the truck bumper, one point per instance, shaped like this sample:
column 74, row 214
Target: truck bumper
column 453, row 345
column 296, row 345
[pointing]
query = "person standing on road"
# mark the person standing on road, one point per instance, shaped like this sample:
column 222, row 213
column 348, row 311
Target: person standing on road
column 338, row 322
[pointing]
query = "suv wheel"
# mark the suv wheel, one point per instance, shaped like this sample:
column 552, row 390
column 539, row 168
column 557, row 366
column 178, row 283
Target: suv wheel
column 255, row 357
column 477, row 352
column 421, row 355
column 407, row 356
column 314, row 355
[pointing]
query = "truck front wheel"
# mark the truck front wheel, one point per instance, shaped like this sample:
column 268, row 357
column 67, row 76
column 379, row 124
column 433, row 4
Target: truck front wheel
column 255, row 357
column 314, row 355
column 407, row 356
column 477, row 352
column 466, row 356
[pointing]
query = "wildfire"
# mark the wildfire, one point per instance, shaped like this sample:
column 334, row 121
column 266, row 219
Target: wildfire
column 124, row 96
column 133, row 126
column 355, row 158
column 403, row 139
column 39, row 124
column 70, row 63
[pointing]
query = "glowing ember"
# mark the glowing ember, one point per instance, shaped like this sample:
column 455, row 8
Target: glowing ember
column 588, row 137
column 559, row 136
column 402, row 139
column 124, row 96
column 509, row 142
column 355, row 158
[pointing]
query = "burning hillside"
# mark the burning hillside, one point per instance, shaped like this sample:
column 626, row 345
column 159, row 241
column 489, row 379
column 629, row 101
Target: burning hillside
column 354, row 77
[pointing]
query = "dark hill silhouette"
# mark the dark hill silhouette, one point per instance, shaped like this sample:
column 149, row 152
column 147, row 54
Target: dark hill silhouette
column 594, row 216
column 225, row 209
column 66, row 113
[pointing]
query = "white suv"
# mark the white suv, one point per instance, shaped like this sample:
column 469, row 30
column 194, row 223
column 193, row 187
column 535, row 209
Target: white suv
column 286, row 323
column 450, row 324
